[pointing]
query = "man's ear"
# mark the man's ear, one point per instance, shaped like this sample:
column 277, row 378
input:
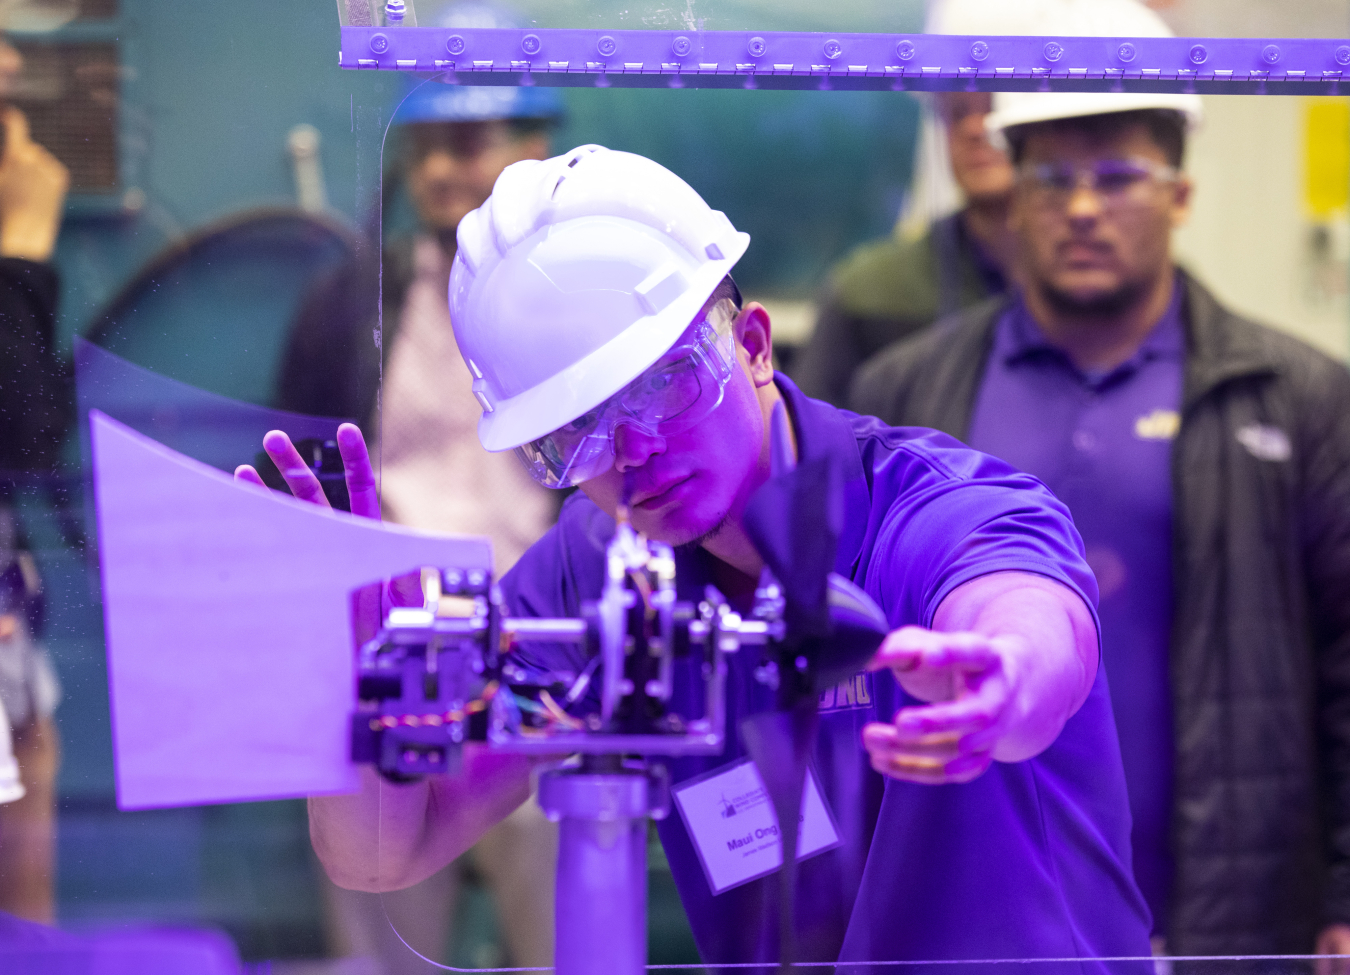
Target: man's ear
column 754, row 336
column 1183, row 191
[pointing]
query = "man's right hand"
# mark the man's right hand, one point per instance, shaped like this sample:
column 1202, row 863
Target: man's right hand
column 303, row 482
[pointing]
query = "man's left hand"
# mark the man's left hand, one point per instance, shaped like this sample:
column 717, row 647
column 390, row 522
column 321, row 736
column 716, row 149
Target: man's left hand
column 972, row 688
column 1334, row 940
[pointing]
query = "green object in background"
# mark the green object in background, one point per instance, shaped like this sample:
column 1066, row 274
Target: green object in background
column 808, row 174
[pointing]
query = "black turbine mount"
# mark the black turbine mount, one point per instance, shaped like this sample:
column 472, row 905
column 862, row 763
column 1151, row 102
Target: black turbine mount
column 832, row 629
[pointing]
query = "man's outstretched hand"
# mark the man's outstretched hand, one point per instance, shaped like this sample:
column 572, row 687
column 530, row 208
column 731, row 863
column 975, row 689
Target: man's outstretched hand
column 971, row 693
column 1010, row 658
column 300, row 478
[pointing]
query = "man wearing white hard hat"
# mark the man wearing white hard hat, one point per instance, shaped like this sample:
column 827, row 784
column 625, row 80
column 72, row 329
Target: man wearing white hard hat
column 1206, row 460
column 609, row 349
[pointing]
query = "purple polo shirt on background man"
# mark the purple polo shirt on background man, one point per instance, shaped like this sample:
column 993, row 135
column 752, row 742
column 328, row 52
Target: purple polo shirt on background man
column 1103, row 442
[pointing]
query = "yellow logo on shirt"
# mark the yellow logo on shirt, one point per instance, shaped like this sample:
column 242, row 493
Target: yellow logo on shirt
column 1159, row 425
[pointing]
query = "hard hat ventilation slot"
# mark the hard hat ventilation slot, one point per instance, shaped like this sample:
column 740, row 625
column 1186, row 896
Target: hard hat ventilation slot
column 714, row 252
column 556, row 186
column 480, row 393
column 660, row 288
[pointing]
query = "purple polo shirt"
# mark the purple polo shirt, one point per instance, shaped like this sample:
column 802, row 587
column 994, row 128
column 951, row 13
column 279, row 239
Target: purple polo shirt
column 1029, row 860
column 1103, row 444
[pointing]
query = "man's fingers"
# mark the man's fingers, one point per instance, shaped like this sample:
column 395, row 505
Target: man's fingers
column 933, row 760
column 360, row 475
column 912, row 647
column 967, row 714
column 248, row 474
column 954, row 738
column 299, row 476
column 16, row 129
column 966, row 768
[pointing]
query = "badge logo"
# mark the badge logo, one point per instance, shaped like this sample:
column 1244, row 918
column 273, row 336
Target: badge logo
column 1265, row 442
column 1159, row 425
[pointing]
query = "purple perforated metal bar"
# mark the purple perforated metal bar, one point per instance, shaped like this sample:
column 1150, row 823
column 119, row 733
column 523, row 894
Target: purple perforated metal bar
column 918, row 62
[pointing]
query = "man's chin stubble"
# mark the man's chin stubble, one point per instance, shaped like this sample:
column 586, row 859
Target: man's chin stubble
column 711, row 533
column 1102, row 304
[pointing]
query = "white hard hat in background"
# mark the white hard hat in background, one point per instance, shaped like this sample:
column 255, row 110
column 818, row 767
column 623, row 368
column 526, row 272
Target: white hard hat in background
column 1087, row 18
column 933, row 190
column 577, row 274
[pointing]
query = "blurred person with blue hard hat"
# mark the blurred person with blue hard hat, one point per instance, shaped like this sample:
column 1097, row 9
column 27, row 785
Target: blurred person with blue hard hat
column 35, row 407
column 395, row 368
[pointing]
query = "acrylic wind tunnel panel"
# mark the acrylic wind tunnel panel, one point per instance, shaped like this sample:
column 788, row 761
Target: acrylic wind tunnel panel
column 227, row 618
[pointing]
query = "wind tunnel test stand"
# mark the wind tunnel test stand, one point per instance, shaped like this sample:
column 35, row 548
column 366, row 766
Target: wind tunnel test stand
column 432, row 677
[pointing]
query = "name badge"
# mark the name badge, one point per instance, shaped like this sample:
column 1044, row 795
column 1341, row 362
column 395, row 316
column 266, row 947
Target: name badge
column 730, row 817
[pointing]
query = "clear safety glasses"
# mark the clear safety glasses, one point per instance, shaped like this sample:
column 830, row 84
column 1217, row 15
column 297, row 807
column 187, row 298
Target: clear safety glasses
column 681, row 389
column 1118, row 183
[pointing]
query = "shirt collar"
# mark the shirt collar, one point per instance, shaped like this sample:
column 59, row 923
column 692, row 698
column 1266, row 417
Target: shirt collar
column 1018, row 337
column 824, row 432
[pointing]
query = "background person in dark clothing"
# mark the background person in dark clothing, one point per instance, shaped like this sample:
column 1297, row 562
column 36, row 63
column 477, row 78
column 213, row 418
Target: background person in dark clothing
column 35, row 407
column 1206, row 460
column 953, row 248
column 891, row 288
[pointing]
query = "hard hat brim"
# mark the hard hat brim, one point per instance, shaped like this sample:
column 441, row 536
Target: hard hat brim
column 1014, row 109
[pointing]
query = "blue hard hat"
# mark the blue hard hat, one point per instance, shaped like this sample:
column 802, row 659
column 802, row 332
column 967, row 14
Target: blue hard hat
column 438, row 102
column 434, row 101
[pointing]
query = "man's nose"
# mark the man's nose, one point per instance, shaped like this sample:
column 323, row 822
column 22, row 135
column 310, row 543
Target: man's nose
column 634, row 446
column 1084, row 201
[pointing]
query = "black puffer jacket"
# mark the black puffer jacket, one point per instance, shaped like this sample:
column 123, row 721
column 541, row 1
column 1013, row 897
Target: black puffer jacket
column 1261, row 628
column 36, row 400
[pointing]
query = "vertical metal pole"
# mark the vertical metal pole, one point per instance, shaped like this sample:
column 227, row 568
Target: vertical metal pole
column 601, row 921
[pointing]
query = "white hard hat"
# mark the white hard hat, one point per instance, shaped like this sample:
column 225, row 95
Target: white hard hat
column 987, row 17
column 1086, row 18
column 577, row 274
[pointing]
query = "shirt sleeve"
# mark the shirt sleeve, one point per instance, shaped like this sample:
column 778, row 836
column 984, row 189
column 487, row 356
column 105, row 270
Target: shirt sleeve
column 958, row 514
